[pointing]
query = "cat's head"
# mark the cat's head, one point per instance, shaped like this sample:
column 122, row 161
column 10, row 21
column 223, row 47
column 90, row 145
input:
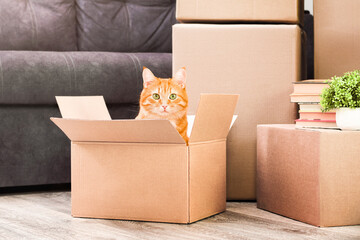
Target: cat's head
column 164, row 96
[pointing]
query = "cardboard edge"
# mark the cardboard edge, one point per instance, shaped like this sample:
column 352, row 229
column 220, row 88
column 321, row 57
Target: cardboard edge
column 318, row 222
column 316, row 65
column 301, row 12
column 57, row 121
column 197, row 113
column 61, row 103
column 300, row 65
column 307, row 222
column 323, row 137
column 58, row 97
column 200, row 198
column 188, row 204
column 208, row 216
column 297, row 16
column 177, row 10
column 77, row 215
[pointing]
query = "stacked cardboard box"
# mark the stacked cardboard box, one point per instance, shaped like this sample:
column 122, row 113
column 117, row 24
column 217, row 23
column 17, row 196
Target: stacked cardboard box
column 258, row 61
column 337, row 37
column 275, row 11
column 311, row 176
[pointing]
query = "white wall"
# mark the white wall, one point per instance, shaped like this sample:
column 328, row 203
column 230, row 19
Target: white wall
column 309, row 5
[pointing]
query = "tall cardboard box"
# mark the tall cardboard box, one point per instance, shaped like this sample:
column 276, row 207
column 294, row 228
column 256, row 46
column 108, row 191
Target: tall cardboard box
column 336, row 36
column 259, row 62
column 311, row 176
column 274, row 11
column 143, row 169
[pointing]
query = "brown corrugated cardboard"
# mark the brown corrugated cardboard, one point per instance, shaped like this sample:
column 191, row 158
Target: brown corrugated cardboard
column 149, row 131
column 259, row 62
column 206, row 126
column 309, row 175
column 142, row 169
column 274, row 11
column 90, row 108
column 337, row 37
column 209, row 182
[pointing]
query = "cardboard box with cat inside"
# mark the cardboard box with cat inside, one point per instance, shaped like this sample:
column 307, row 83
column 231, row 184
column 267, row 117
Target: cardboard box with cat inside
column 143, row 169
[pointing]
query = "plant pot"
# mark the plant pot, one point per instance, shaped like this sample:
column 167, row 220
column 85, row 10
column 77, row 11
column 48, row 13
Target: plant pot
column 348, row 118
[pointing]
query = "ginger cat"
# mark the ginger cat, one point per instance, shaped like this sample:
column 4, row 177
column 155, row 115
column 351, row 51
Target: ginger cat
column 165, row 98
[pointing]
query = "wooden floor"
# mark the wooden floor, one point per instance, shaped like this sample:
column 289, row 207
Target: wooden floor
column 47, row 216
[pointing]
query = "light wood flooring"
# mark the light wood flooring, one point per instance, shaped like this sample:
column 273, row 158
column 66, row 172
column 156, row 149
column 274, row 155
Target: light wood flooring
column 46, row 215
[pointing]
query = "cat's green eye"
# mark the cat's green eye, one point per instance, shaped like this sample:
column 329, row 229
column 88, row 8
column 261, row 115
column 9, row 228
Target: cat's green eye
column 172, row 96
column 156, row 96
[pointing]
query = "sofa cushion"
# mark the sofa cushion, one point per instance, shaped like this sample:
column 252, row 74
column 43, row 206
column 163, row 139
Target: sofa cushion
column 39, row 152
column 36, row 77
column 38, row 25
column 125, row 25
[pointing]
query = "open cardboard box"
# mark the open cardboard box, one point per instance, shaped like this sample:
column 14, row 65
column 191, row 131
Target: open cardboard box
column 143, row 169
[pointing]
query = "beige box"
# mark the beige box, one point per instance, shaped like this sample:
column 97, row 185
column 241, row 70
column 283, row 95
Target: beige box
column 272, row 11
column 143, row 169
column 311, row 176
column 337, row 37
column 259, row 62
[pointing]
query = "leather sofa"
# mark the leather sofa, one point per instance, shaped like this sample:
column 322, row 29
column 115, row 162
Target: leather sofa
column 71, row 47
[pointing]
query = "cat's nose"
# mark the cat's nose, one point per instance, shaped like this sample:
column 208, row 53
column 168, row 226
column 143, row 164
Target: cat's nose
column 164, row 107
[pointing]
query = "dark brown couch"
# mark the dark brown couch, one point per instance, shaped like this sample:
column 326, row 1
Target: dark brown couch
column 70, row 47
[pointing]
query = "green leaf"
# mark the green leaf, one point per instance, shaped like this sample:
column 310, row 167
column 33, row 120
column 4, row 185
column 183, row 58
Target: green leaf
column 342, row 92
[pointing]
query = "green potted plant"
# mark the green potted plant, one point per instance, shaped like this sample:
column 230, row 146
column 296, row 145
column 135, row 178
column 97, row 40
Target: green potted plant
column 343, row 94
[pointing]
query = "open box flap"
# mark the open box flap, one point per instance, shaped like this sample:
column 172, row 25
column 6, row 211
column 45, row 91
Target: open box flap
column 213, row 117
column 139, row 131
column 89, row 107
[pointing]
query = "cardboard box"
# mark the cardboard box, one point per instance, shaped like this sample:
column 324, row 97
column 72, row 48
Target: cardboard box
column 259, row 62
column 274, row 11
column 143, row 169
column 337, row 37
column 311, row 176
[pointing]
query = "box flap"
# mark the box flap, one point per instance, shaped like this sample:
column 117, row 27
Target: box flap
column 213, row 117
column 87, row 107
column 139, row 131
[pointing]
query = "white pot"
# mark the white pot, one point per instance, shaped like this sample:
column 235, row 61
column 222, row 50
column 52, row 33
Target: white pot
column 348, row 118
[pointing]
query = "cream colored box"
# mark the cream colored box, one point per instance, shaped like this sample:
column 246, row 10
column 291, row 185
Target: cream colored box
column 259, row 62
column 271, row 11
column 143, row 169
column 336, row 36
column 309, row 175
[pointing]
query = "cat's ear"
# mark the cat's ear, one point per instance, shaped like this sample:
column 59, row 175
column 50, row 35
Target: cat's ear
column 148, row 77
column 180, row 77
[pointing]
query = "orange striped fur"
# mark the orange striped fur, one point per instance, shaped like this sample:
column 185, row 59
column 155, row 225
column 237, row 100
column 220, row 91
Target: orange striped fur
column 157, row 100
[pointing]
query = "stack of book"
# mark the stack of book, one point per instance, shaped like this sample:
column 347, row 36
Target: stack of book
column 307, row 95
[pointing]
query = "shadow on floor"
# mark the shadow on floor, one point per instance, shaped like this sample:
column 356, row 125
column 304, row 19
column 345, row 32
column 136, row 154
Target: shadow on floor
column 34, row 189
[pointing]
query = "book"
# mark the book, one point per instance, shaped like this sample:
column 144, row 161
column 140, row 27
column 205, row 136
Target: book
column 310, row 86
column 306, row 123
column 317, row 115
column 305, row 107
column 305, row 98
column 307, row 94
column 308, row 91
